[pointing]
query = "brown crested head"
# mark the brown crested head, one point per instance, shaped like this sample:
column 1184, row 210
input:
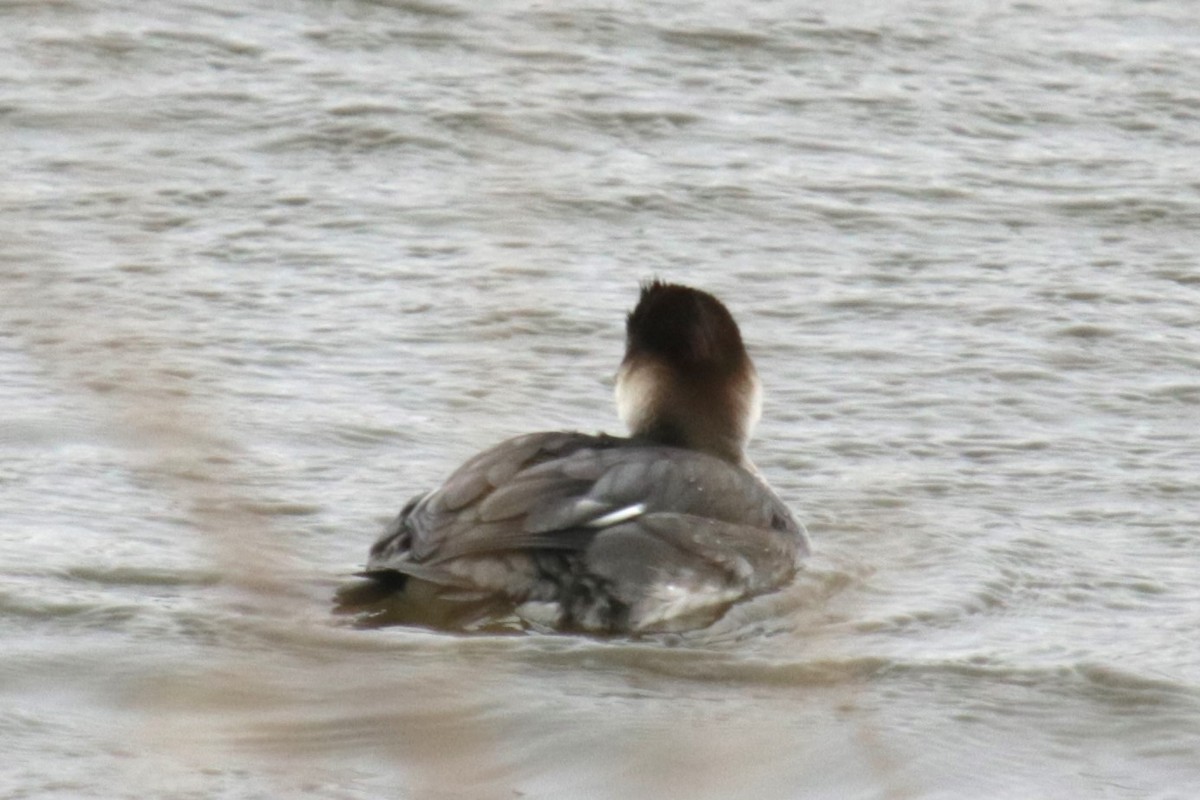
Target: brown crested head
column 686, row 328
column 686, row 379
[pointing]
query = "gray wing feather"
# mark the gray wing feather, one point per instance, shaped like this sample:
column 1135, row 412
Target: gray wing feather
column 677, row 567
column 491, row 468
column 527, row 495
column 541, row 491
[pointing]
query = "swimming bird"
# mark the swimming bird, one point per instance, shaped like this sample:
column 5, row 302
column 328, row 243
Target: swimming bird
column 662, row 530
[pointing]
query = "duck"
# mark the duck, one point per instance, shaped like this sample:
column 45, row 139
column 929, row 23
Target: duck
column 662, row 530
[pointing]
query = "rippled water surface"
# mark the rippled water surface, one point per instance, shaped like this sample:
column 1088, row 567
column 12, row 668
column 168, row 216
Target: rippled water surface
column 268, row 268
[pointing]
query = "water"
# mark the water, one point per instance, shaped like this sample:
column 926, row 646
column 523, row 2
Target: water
column 266, row 269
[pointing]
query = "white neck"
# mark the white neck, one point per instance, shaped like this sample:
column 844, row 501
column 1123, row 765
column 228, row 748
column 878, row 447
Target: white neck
column 650, row 399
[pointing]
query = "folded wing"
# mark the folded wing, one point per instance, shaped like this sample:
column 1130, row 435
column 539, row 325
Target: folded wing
column 599, row 526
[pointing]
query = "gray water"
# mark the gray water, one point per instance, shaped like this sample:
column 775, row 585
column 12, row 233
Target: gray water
column 268, row 268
